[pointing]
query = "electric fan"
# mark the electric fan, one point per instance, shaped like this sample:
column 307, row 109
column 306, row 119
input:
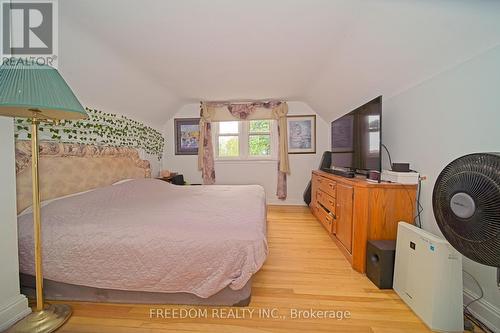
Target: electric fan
column 466, row 203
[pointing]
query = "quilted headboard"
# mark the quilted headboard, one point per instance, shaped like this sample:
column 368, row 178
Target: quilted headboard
column 67, row 168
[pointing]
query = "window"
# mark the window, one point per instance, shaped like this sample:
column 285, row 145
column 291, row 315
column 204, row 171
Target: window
column 228, row 139
column 244, row 140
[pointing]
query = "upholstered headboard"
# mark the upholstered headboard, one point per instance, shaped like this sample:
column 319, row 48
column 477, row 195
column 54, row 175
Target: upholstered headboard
column 67, row 168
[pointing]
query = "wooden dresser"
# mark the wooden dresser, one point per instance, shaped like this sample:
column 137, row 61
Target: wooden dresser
column 354, row 210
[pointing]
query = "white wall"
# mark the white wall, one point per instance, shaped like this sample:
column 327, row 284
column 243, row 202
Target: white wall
column 452, row 114
column 256, row 172
column 13, row 305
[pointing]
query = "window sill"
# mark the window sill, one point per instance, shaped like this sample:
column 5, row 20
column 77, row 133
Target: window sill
column 247, row 161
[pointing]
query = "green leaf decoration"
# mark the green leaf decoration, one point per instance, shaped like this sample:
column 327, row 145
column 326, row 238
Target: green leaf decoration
column 101, row 128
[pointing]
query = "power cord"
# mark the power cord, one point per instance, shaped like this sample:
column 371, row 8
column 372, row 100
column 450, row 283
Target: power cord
column 472, row 321
column 388, row 154
column 420, row 208
column 466, row 307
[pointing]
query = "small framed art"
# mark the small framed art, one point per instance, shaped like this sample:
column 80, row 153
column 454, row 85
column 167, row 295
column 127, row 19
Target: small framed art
column 301, row 134
column 187, row 133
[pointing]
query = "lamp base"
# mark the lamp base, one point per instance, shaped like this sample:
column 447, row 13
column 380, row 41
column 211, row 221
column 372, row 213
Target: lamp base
column 48, row 320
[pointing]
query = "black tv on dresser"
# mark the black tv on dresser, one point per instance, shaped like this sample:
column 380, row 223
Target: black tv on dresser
column 356, row 140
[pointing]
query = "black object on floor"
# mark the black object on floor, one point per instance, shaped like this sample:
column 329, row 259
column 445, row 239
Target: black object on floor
column 380, row 255
column 307, row 194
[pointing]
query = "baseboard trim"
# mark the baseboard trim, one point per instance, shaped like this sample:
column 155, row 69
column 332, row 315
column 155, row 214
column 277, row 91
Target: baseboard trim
column 483, row 310
column 14, row 309
column 287, row 202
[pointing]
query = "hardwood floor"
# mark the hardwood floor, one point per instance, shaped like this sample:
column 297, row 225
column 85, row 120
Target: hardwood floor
column 304, row 270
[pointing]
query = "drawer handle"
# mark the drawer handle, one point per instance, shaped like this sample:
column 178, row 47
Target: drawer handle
column 332, row 185
column 330, row 201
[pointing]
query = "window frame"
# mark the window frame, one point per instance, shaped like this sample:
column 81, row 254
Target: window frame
column 244, row 140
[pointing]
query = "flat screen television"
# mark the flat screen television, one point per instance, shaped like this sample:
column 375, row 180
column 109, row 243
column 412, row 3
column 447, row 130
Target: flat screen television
column 356, row 139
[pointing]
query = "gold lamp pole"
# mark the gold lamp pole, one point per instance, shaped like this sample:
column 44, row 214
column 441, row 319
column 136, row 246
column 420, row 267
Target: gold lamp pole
column 36, row 213
column 40, row 94
column 45, row 318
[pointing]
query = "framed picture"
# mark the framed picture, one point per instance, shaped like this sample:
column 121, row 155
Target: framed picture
column 187, row 133
column 301, row 134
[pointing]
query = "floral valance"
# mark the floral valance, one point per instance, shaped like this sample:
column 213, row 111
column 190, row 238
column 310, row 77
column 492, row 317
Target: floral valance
column 243, row 110
column 225, row 111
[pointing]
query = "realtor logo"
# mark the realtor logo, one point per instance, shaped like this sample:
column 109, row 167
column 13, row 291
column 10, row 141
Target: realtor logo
column 29, row 31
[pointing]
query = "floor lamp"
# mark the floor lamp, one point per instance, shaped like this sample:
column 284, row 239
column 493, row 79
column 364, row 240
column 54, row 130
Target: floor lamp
column 40, row 94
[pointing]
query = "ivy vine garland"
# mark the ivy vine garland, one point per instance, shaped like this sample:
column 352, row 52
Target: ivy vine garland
column 100, row 128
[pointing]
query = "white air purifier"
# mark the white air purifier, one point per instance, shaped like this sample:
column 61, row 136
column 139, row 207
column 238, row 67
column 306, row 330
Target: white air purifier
column 428, row 277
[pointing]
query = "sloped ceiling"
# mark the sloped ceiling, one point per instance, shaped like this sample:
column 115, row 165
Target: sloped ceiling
column 148, row 58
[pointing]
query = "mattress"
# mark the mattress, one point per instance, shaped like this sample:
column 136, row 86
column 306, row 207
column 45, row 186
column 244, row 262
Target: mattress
column 150, row 236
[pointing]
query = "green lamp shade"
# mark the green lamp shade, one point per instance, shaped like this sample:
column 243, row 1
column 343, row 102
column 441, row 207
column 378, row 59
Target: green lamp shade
column 28, row 88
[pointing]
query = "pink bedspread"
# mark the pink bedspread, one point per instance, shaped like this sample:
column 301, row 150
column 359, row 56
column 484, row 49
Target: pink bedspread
column 148, row 235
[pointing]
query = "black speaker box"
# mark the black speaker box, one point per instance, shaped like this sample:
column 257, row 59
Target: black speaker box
column 380, row 256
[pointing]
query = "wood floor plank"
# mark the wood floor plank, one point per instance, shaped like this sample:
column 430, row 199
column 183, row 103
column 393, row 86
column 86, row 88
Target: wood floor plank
column 305, row 270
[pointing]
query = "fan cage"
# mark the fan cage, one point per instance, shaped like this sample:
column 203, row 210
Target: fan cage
column 478, row 236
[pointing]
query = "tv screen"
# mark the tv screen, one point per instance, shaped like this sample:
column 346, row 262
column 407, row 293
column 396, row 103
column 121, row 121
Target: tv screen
column 356, row 138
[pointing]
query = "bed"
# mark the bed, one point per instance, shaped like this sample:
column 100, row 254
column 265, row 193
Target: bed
column 146, row 241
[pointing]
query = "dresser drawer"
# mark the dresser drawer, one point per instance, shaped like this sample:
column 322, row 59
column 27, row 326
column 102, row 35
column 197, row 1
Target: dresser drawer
column 316, row 181
column 326, row 185
column 324, row 217
column 326, row 200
